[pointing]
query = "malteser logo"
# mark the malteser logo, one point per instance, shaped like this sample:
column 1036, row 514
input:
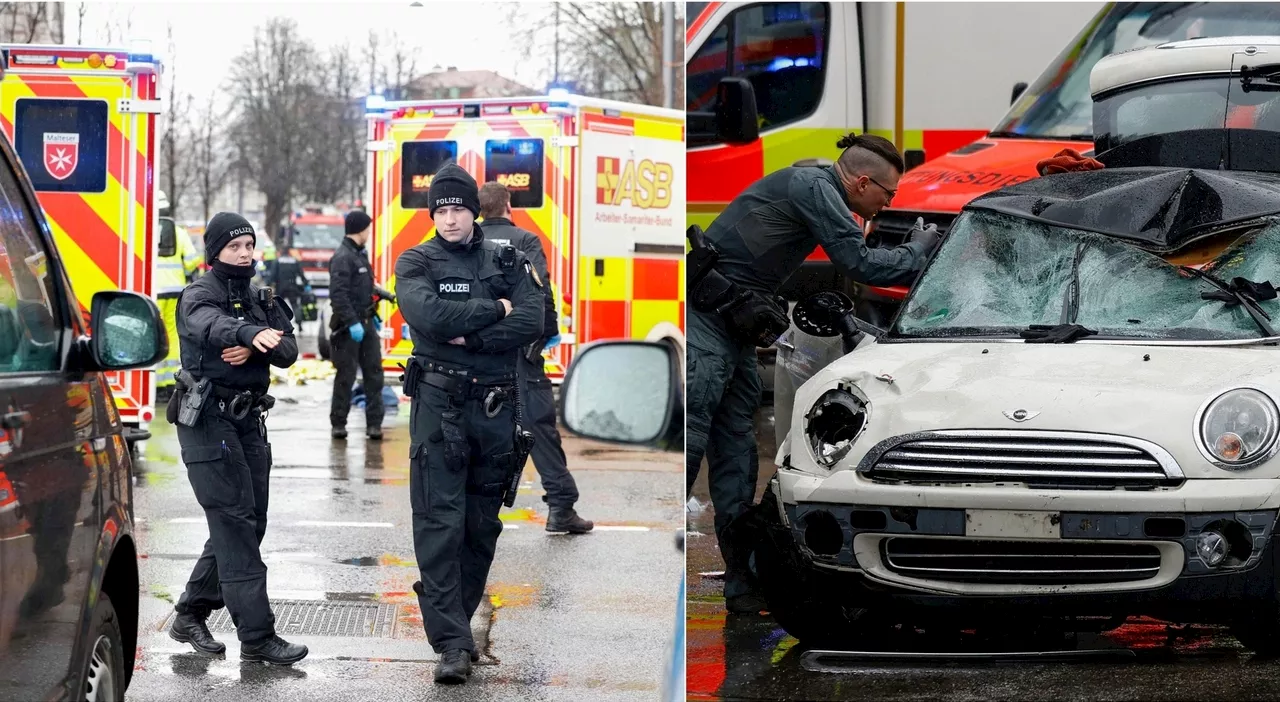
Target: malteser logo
column 455, row 288
column 646, row 184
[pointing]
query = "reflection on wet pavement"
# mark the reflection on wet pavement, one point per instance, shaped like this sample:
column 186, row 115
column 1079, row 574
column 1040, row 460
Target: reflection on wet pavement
column 749, row 657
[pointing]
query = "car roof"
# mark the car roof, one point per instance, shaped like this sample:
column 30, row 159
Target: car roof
column 1181, row 59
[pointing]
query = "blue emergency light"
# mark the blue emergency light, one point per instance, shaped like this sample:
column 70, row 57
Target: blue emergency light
column 375, row 102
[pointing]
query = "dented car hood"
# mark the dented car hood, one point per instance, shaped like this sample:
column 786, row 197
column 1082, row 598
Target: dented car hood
column 1144, row 391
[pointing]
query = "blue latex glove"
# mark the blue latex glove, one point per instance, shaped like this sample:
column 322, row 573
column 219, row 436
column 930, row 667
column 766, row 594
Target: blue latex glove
column 553, row 342
column 357, row 332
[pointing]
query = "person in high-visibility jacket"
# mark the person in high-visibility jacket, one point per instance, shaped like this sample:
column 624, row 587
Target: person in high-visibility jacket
column 172, row 275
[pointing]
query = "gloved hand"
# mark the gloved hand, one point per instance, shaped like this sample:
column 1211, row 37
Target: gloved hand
column 1068, row 161
column 357, row 332
column 929, row 236
column 553, row 342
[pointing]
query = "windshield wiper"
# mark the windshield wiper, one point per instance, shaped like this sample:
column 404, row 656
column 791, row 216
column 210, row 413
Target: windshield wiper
column 1240, row 291
column 1055, row 333
column 1071, row 305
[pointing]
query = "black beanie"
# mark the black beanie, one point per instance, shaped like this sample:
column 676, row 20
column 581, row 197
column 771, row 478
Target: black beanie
column 224, row 227
column 454, row 186
column 357, row 222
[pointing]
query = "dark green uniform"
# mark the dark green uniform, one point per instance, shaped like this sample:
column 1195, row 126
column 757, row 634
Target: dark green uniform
column 763, row 236
column 461, row 454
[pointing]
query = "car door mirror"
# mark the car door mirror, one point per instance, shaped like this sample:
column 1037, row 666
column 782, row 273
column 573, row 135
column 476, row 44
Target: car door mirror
column 623, row 391
column 126, row 331
column 735, row 119
column 1018, row 89
column 168, row 237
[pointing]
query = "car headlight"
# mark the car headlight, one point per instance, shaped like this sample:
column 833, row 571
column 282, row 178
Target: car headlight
column 1238, row 429
column 835, row 422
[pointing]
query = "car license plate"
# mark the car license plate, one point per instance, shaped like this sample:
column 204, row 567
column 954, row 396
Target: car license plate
column 1010, row 524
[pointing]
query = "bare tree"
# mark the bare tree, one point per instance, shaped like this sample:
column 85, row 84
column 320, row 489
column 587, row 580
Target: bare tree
column 212, row 160
column 391, row 64
column 335, row 157
column 274, row 90
column 175, row 153
column 31, row 22
column 80, row 13
column 610, row 50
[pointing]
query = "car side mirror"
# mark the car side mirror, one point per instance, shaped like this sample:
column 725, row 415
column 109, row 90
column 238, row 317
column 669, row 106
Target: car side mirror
column 1018, row 89
column 127, row 332
column 831, row 313
column 737, row 121
column 625, row 392
column 168, row 237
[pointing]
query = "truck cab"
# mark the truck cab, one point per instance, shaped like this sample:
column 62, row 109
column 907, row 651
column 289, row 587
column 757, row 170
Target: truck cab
column 315, row 233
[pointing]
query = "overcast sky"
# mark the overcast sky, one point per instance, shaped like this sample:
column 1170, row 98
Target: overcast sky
column 210, row 35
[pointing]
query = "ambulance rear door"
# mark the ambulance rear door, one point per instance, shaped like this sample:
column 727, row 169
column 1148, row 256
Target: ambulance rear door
column 83, row 123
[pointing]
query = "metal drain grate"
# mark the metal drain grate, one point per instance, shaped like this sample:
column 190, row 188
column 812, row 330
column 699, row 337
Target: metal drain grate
column 320, row 618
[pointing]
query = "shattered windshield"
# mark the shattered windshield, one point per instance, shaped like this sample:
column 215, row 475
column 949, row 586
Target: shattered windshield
column 995, row 275
column 1058, row 104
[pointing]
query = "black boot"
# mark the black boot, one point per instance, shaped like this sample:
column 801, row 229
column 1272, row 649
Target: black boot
column 339, row 432
column 374, row 433
column 566, row 519
column 188, row 628
column 272, row 649
column 454, row 667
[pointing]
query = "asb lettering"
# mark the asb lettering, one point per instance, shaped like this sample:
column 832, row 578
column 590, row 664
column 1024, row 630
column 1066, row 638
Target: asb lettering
column 422, row 182
column 644, row 184
column 514, row 181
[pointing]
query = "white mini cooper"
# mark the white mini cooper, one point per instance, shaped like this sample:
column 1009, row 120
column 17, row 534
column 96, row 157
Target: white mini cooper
column 1075, row 414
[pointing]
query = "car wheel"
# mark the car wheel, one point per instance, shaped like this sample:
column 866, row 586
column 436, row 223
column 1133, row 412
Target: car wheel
column 798, row 594
column 322, row 343
column 104, row 678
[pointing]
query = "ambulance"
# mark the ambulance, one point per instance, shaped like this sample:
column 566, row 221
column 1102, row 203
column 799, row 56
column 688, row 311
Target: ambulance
column 936, row 78
column 83, row 122
column 601, row 183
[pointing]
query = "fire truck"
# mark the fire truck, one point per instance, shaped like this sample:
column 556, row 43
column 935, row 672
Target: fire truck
column 600, row 182
column 315, row 233
column 83, row 122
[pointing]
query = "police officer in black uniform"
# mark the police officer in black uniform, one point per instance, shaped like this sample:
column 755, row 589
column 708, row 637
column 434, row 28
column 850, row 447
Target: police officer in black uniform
column 471, row 306
column 548, row 455
column 354, row 337
column 230, row 332
column 288, row 279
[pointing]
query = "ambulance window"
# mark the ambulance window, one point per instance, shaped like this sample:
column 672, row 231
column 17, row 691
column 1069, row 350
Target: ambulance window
column 419, row 160
column 781, row 47
column 63, row 143
column 29, row 321
column 517, row 164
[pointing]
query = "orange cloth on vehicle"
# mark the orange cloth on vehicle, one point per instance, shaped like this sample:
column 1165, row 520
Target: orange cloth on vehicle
column 1066, row 161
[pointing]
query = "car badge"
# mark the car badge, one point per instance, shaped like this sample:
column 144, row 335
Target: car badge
column 1021, row 415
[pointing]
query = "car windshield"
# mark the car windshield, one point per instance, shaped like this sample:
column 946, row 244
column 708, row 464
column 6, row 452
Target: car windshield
column 1058, row 104
column 995, row 275
column 318, row 236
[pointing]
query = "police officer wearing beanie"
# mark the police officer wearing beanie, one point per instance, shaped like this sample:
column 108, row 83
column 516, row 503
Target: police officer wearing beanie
column 230, row 332
column 353, row 338
column 548, row 455
column 471, row 305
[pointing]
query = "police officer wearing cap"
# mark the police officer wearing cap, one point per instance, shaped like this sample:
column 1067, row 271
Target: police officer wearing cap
column 548, row 455
column 471, row 305
column 230, row 332
column 354, row 340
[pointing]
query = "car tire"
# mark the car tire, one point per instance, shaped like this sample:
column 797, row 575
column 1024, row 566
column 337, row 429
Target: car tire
column 322, row 343
column 103, row 675
column 797, row 593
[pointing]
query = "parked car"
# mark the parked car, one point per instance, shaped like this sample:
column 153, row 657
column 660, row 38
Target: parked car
column 1075, row 415
column 68, row 563
column 632, row 392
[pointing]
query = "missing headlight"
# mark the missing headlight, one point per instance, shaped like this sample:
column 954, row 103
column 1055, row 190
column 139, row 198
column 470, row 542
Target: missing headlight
column 834, row 422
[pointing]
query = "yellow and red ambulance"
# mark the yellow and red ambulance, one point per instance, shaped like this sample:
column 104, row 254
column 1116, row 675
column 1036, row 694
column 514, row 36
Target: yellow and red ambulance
column 600, row 182
column 83, row 121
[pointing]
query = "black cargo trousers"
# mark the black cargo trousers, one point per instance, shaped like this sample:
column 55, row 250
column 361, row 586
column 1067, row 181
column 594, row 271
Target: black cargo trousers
column 460, row 460
column 348, row 355
column 548, row 455
column 229, row 465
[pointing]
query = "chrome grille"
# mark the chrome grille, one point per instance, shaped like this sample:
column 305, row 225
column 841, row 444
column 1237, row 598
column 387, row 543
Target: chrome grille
column 1037, row 458
column 1017, row 562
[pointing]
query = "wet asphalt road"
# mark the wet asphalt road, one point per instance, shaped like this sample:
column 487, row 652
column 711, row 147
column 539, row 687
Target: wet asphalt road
column 749, row 657
column 567, row 618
